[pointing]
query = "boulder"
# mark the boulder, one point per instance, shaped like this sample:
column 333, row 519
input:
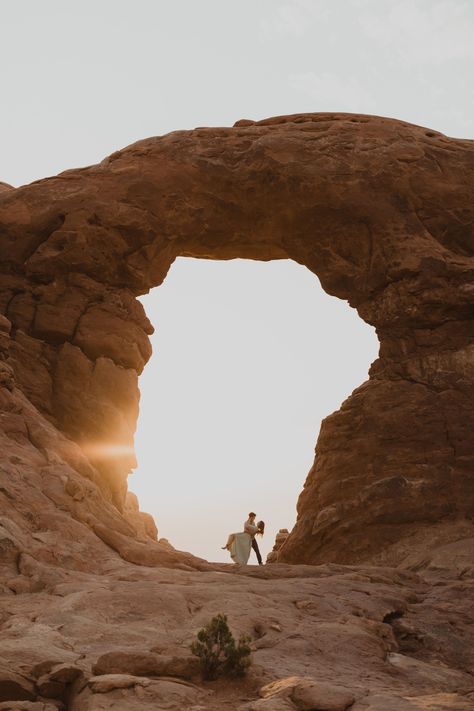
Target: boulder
column 14, row 687
column 146, row 664
column 308, row 694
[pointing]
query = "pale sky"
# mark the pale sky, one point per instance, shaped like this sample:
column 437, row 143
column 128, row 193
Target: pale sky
column 248, row 356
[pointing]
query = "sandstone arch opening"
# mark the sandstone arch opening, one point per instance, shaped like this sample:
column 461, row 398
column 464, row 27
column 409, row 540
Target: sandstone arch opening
column 249, row 357
column 379, row 210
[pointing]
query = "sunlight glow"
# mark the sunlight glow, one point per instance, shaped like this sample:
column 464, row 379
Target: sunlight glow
column 104, row 450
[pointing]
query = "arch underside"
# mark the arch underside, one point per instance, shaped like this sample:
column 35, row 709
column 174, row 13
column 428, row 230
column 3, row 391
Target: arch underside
column 380, row 210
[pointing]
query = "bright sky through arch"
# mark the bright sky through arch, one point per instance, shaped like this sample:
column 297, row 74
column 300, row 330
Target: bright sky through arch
column 248, row 358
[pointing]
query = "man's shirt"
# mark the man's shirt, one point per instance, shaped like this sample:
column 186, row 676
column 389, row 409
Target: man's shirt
column 250, row 528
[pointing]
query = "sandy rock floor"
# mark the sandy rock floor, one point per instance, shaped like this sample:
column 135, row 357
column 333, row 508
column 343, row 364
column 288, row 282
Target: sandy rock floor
column 364, row 638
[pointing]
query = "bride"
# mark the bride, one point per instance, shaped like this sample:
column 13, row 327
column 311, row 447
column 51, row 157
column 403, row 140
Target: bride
column 239, row 545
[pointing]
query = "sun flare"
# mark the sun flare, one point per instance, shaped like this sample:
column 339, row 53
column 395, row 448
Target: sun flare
column 106, row 450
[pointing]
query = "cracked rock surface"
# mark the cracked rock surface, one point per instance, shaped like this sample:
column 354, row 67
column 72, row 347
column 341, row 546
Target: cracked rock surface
column 328, row 637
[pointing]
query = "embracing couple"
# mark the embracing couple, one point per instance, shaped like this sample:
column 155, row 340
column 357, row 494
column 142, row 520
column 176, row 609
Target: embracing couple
column 239, row 544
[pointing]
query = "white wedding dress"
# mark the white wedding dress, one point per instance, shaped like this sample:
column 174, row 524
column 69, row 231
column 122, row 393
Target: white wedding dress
column 239, row 546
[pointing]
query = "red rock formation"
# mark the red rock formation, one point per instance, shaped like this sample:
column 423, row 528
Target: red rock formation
column 280, row 538
column 380, row 210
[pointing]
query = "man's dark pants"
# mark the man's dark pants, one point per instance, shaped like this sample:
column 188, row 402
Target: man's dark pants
column 257, row 551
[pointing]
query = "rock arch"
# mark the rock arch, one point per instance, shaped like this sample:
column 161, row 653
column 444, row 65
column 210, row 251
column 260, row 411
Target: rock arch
column 382, row 211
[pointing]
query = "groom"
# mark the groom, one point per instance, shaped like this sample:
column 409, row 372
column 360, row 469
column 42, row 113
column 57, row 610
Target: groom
column 251, row 529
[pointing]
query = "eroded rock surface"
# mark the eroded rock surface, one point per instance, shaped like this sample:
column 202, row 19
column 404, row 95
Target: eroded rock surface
column 322, row 637
column 280, row 538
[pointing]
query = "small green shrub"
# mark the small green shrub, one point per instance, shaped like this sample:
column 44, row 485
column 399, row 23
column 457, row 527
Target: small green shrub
column 218, row 653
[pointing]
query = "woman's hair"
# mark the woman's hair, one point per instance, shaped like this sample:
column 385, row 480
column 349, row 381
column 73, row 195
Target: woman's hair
column 261, row 527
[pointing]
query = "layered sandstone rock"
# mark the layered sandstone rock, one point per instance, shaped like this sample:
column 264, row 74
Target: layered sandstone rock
column 380, row 210
column 280, row 538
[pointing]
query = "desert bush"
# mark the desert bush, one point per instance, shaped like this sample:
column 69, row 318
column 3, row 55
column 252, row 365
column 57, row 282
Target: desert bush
column 218, row 653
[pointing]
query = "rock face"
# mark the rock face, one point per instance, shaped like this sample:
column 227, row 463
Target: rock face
column 280, row 538
column 380, row 210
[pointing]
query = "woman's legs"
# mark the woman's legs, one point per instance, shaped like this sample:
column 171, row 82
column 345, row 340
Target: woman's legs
column 230, row 540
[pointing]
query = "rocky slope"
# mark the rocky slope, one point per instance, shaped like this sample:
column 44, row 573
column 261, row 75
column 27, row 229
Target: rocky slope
column 326, row 637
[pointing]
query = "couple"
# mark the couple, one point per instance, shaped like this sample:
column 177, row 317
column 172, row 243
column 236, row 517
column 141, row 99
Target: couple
column 239, row 544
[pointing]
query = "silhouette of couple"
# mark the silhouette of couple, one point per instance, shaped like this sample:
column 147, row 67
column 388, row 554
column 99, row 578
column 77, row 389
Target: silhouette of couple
column 239, row 544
